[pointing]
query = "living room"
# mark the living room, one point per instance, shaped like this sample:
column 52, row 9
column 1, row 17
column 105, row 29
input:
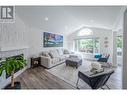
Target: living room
column 82, row 32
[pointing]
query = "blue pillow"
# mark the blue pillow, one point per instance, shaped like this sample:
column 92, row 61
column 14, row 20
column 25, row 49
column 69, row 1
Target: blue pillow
column 98, row 56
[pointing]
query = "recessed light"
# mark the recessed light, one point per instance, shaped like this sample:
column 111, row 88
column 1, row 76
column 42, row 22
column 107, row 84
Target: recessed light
column 46, row 18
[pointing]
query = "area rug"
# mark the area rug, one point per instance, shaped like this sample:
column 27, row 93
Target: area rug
column 70, row 74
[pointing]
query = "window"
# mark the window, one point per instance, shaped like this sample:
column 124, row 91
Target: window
column 85, row 32
column 119, row 45
column 87, row 45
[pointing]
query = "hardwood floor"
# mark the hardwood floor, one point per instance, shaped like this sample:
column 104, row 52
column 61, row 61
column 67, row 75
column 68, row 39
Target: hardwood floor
column 38, row 78
column 70, row 75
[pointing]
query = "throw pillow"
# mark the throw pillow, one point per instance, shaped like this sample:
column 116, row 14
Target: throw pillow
column 46, row 54
column 51, row 55
column 66, row 51
column 60, row 51
column 97, row 56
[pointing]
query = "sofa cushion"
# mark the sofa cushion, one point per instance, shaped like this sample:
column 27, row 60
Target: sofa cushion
column 60, row 51
column 55, row 60
column 62, row 57
column 46, row 54
column 66, row 51
column 54, row 53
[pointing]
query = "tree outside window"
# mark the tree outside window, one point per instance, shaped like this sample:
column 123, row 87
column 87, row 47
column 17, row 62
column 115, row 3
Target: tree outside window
column 119, row 45
column 90, row 45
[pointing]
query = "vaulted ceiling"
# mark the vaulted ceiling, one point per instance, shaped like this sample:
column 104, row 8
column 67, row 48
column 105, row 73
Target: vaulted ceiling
column 66, row 19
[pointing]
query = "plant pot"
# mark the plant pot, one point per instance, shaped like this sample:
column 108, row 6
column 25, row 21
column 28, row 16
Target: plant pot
column 17, row 85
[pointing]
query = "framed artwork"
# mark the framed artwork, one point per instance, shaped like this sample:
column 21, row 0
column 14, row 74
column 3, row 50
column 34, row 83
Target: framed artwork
column 52, row 40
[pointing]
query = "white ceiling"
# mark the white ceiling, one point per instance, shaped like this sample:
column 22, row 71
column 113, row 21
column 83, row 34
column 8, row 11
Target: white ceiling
column 66, row 19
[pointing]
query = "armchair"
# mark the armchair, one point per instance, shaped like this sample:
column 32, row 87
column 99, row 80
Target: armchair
column 103, row 59
column 95, row 81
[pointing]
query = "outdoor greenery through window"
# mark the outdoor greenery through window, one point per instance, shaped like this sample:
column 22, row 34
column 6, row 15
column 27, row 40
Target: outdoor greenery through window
column 119, row 45
column 88, row 45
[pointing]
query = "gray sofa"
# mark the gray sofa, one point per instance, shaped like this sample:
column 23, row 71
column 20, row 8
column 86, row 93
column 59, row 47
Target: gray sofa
column 54, row 57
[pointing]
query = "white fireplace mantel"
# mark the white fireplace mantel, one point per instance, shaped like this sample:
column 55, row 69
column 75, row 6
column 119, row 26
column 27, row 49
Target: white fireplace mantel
column 2, row 49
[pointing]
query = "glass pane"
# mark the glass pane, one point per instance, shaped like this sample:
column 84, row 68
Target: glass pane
column 119, row 45
column 87, row 45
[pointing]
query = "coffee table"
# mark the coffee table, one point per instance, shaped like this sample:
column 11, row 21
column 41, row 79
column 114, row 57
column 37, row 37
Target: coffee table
column 97, row 80
column 75, row 62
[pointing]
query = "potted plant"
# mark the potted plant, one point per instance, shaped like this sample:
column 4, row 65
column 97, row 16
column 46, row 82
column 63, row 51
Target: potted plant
column 10, row 65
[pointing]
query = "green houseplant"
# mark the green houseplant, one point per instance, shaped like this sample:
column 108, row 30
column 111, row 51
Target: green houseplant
column 10, row 65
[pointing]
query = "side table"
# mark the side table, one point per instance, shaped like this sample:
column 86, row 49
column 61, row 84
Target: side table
column 35, row 62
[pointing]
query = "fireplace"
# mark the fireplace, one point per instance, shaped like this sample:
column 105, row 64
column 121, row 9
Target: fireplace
column 6, row 52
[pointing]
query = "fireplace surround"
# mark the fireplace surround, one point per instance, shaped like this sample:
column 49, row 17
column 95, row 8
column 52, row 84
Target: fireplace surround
column 12, row 52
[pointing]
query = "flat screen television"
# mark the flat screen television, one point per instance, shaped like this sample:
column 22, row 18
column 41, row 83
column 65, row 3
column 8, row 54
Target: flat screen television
column 52, row 40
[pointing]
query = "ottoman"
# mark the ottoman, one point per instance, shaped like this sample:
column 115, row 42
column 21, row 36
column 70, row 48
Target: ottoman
column 75, row 62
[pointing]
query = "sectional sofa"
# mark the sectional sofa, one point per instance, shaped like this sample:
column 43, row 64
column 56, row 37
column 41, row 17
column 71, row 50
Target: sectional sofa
column 54, row 57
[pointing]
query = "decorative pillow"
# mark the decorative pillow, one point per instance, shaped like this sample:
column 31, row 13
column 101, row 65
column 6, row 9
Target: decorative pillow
column 66, row 51
column 98, row 56
column 46, row 54
column 51, row 54
column 60, row 51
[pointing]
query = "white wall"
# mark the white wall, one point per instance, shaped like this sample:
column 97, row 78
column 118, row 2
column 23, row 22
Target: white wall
column 101, row 34
column 35, row 41
column 18, row 34
column 12, row 34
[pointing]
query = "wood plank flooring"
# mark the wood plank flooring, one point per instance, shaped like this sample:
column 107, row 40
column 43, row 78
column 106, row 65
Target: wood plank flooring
column 38, row 78
column 70, row 75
